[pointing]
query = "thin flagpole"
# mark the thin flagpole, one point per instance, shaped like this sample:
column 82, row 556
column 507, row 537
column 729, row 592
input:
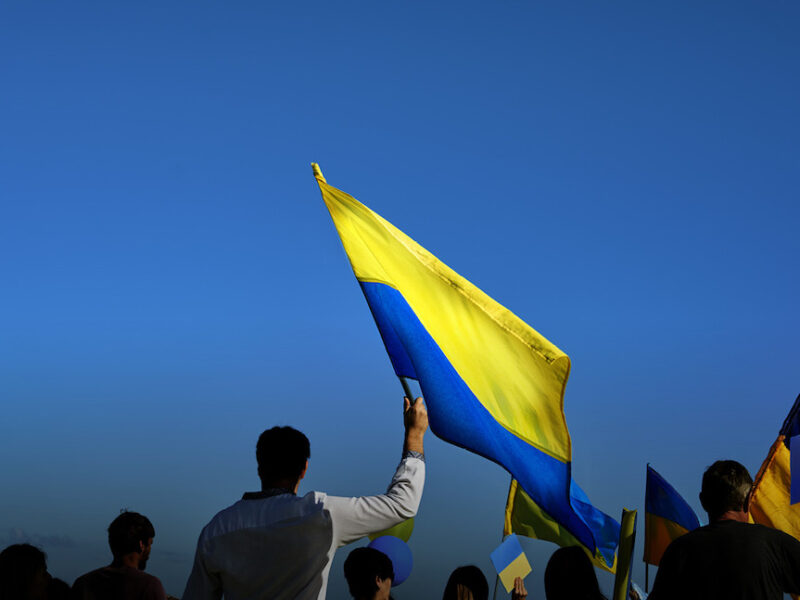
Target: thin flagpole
column 502, row 537
column 646, row 545
column 406, row 389
column 496, row 582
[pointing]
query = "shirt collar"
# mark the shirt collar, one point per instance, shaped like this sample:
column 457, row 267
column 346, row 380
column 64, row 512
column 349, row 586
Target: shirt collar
column 268, row 493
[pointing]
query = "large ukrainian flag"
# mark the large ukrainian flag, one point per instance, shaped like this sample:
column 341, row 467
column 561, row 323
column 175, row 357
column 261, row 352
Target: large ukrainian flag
column 667, row 516
column 770, row 500
column 493, row 385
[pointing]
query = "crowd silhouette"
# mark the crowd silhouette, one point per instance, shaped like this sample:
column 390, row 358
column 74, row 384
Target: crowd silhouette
column 274, row 544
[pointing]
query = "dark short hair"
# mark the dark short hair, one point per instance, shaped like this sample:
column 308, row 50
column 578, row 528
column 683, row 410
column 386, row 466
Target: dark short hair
column 19, row 564
column 472, row 578
column 569, row 574
column 127, row 530
column 361, row 568
column 282, row 453
column 726, row 484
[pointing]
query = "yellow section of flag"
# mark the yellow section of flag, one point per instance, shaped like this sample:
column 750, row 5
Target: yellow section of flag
column 517, row 374
column 519, row 567
column 769, row 501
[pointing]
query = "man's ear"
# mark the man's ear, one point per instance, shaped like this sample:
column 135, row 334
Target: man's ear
column 141, row 547
column 303, row 474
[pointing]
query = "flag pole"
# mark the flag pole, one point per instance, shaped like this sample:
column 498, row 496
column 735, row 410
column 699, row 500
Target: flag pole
column 317, row 172
column 406, row 388
column 646, row 564
column 502, row 537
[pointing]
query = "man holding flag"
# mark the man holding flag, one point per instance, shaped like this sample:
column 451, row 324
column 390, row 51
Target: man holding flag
column 278, row 545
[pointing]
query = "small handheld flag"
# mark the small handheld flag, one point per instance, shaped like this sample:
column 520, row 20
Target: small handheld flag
column 510, row 561
column 667, row 516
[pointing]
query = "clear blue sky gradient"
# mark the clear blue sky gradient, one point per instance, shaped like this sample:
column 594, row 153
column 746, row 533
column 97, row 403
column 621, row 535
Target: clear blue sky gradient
column 623, row 176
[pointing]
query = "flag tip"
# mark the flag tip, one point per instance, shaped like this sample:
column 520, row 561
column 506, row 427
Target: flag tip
column 317, row 172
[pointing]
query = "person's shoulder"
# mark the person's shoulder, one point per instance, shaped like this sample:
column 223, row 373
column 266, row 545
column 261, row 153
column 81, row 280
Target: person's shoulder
column 774, row 534
column 690, row 537
column 154, row 584
column 87, row 578
column 252, row 512
column 151, row 586
column 224, row 515
column 314, row 497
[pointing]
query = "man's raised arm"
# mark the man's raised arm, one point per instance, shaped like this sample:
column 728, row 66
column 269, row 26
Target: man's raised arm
column 354, row 518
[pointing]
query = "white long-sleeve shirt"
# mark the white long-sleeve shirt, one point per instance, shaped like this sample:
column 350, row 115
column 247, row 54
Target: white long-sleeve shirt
column 275, row 545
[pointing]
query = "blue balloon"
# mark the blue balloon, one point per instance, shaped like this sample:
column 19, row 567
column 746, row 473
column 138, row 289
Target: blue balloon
column 399, row 553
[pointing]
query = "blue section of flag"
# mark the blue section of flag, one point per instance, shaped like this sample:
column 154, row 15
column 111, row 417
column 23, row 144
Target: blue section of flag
column 458, row 417
column 663, row 501
column 791, row 425
column 794, row 470
column 506, row 553
column 381, row 307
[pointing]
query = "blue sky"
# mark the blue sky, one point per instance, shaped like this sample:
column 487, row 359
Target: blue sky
column 622, row 176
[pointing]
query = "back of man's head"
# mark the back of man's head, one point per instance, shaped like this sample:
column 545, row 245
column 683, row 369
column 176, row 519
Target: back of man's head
column 127, row 531
column 726, row 484
column 281, row 453
column 361, row 568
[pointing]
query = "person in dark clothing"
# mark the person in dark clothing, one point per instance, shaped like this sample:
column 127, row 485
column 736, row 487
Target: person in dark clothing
column 23, row 573
column 58, row 589
column 369, row 574
column 466, row 582
column 569, row 575
column 729, row 558
column 130, row 537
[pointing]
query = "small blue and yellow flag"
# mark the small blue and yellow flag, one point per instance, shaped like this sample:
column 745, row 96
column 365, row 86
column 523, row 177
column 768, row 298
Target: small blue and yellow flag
column 493, row 385
column 510, row 561
column 770, row 499
column 667, row 516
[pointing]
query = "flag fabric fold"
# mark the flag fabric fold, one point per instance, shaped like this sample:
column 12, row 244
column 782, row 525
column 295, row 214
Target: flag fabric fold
column 770, row 499
column 524, row 517
column 493, row 384
column 667, row 516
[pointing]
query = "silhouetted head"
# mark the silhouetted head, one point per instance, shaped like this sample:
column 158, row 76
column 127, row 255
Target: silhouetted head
column 726, row 485
column 131, row 532
column 369, row 574
column 282, row 454
column 570, row 576
column 470, row 579
column 23, row 573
